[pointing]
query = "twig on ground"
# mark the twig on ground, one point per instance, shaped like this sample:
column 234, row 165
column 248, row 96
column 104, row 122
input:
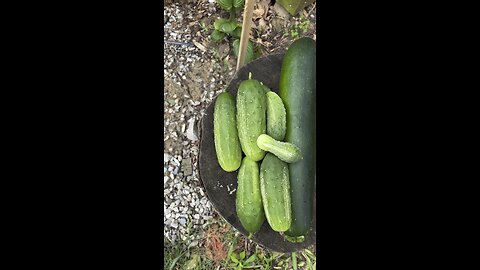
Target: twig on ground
column 178, row 43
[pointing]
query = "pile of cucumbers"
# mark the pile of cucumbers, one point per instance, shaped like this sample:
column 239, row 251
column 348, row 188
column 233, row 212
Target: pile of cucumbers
column 276, row 177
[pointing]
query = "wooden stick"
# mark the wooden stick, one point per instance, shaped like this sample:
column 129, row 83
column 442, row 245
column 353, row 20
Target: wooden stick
column 247, row 23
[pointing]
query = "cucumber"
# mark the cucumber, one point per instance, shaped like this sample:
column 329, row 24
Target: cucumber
column 287, row 152
column 275, row 188
column 227, row 144
column 265, row 88
column 297, row 90
column 251, row 117
column 249, row 200
column 276, row 117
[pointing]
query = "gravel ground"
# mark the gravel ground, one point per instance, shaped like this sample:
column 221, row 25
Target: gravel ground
column 195, row 71
column 192, row 80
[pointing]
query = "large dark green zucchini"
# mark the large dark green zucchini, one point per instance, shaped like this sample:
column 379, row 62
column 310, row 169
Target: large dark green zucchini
column 248, row 197
column 297, row 90
column 227, row 145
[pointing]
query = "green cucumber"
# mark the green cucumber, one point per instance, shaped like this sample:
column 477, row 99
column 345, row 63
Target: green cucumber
column 251, row 117
column 227, row 144
column 276, row 117
column 275, row 188
column 265, row 88
column 297, row 88
column 287, row 152
column 249, row 199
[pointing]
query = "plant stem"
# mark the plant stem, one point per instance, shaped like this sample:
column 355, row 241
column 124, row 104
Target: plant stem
column 232, row 13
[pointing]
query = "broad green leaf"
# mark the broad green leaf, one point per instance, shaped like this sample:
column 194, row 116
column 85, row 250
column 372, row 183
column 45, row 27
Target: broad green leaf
column 249, row 55
column 242, row 255
column 225, row 4
column 236, row 44
column 237, row 33
column 238, row 3
column 239, row 267
column 217, row 35
column 218, row 23
column 228, row 27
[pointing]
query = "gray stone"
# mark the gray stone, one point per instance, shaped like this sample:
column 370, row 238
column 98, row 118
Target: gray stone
column 182, row 221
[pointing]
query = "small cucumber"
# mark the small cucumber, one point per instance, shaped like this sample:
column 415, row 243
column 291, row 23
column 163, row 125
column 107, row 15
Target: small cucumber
column 275, row 188
column 251, row 117
column 249, row 199
column 285, row 151
column 265, row 88
column 276, row 117
column 227, row 144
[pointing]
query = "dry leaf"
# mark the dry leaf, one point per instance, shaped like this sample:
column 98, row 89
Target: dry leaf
column 262, row 24
column 265, row 5
column 200, row 46
column 258, row 12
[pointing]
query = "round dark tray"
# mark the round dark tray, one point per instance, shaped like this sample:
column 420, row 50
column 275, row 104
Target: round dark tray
column 220, row 184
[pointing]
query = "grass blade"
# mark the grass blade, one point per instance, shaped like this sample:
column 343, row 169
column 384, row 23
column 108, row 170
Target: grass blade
column 294, row 260
column 309, row 263
column 172, row 265
column 251, row 259
column 230, row 251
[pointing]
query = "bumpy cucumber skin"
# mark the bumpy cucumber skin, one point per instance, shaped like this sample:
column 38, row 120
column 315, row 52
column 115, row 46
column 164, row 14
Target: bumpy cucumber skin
column 249, row 199
column 297, row 88
column 275, row 188
column 276, row 117
column 251, row 117
column 286, row 152
column 227, row 144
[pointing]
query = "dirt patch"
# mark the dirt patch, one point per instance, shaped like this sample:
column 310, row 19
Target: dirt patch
column 172, row 90
column 198, row 76
column 193, row 85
